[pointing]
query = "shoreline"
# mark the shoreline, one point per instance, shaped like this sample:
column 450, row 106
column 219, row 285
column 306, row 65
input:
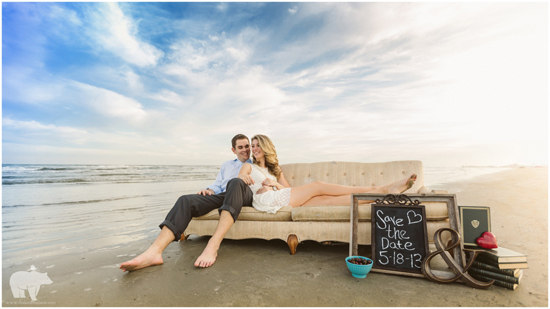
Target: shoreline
column 262, row 273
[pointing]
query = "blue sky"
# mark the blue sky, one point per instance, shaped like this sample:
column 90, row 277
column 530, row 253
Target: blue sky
column 171, row 83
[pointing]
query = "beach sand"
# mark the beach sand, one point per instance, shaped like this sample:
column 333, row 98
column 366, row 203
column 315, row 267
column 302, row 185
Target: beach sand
column 263, row 273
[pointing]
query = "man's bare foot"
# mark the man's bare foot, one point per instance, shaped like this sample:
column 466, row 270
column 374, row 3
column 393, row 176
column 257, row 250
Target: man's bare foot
column 402, row 185
column 147, row 258
column 207, row 258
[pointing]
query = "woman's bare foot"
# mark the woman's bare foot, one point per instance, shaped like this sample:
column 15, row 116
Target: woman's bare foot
column 147, row 258
column 402, row 185
column 207, row 258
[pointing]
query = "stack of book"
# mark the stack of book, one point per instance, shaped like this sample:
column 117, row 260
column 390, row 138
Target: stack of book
column 502, row 265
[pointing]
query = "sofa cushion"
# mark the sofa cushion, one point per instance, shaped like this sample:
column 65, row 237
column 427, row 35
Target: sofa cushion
column 251, row 214
column 434, row 212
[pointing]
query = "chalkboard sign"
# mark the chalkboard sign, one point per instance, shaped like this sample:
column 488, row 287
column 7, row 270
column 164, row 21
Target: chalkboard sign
column 399, row 237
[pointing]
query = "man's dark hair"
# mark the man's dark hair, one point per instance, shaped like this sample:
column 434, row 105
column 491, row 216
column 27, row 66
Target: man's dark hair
column 236, row 138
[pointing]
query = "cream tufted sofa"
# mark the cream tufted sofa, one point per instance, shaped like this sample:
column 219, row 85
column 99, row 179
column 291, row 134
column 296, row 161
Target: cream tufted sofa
column 325, row 223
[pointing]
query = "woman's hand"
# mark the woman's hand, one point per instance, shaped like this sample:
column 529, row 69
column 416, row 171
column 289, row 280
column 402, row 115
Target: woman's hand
column 269, row 182
column 247, row 179
column 244, row 174
column 264, row 189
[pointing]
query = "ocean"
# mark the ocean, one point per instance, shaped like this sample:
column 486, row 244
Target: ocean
column 20, row 174
column 57, row 209
column 44, row 174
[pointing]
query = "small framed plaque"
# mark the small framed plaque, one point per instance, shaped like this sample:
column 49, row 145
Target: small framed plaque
column 474, row 221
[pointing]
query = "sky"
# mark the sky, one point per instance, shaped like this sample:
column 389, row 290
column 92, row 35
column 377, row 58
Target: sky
column 450, row 84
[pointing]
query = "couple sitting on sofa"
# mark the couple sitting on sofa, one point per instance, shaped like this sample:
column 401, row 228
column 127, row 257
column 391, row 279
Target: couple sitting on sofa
column 242, row 182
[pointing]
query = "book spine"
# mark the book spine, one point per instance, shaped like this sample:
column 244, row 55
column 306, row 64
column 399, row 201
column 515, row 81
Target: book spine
column 495, row 276
column 503, row 284
column 482, row 259
column 489, row 256
column 502, row 265
column 480, row 265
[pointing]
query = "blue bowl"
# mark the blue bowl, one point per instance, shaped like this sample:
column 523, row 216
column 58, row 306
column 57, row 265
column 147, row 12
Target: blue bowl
column 359, row 271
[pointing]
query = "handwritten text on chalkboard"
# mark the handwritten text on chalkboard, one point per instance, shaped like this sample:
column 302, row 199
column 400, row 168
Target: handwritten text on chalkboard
column 399, row 237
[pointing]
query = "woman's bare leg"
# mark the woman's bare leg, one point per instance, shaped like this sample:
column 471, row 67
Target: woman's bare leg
column 302, row 194
column 322, row 200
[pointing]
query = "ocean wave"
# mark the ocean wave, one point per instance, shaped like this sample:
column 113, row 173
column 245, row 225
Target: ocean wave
column 56, row 168
column 22, row 174
column 110, row 168
column 119, row 174
column 9, row 182
column 42, row 181
column 9, row 168
column 79, row 202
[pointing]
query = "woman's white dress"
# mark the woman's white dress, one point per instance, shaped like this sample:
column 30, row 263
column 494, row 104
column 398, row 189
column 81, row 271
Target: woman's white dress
column 269, row 201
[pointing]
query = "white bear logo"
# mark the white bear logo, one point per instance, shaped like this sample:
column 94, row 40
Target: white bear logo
column 28, row 280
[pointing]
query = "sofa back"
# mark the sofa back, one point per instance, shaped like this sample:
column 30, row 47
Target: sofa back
column 354, row 173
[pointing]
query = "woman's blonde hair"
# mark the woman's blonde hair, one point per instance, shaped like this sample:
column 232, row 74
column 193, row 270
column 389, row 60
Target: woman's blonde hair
column 270, row 154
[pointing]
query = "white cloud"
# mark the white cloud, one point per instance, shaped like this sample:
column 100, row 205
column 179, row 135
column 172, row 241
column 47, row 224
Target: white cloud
column 33, row 129
column 110, row 103
column 250, row 92
column 366, row 82
column 378, row 97
column 118, row 34
column 169, row 97
column 20, row 86
column 133, row 80
column 58, row 13
column 36, row 126
column 52, row 91
column 222, row 6
column 199, row 64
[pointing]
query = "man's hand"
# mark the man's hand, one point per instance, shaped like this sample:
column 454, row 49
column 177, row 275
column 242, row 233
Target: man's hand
column 247, row 179
column 206, row 192
column 264, row 189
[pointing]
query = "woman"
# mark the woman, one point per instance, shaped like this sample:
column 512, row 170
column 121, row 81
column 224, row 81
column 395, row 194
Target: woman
column 272, row 191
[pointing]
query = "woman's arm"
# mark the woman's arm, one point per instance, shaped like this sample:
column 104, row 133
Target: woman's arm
column 244, row 174
column 282, row 182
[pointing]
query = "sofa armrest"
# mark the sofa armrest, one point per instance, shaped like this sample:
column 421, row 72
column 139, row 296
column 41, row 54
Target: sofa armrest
column 425, row 190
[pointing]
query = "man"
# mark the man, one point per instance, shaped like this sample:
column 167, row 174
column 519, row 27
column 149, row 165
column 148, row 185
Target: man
column 229, row 204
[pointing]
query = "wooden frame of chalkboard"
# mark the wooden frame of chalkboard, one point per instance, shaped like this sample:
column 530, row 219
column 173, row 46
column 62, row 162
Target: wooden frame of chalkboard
column 452, row 209
column 399, row 237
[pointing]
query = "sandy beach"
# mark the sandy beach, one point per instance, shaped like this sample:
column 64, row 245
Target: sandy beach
column 263, row 273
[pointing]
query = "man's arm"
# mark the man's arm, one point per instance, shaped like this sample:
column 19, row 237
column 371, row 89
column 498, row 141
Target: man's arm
column 216, row 187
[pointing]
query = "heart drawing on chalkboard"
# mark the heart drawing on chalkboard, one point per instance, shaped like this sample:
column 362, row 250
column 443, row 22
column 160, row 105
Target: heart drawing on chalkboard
column 475, row 223
column 415, row 217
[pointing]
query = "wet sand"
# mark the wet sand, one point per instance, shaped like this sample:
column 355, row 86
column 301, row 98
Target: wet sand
column 263, row 273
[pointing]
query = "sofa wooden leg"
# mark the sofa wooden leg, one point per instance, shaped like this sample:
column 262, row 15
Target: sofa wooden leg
column 292, row 242
column 184, row 237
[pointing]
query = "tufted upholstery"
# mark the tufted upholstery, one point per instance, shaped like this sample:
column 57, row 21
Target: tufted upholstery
column 354, row 173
